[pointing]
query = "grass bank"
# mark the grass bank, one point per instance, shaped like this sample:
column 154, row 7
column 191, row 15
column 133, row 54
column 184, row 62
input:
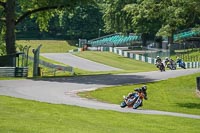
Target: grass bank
column 117, row 61
column 23, row 116
column 174, row 95
column 48, row 46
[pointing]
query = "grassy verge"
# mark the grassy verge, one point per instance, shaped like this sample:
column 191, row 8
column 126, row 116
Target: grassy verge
column 23, row 116
column 117, row 61
column 188, row 55
column 48, row 46
column 174, row 95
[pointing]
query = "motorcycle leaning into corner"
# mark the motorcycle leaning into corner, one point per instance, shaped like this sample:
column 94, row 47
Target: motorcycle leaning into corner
column 135, row 99
column 181, row 63
column 171, row 64
column 159, row 64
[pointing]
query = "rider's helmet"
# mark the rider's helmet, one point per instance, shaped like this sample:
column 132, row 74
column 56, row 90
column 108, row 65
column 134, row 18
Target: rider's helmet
column 166, row 58
column 158, row 57
column 144, row 88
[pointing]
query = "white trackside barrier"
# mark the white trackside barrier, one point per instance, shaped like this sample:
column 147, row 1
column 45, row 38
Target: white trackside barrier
column 148, row 59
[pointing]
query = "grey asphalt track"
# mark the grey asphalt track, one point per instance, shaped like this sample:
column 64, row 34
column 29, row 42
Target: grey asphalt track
column 77, row 62
column 63, row 90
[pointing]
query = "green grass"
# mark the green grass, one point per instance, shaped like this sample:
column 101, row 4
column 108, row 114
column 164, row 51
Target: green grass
column 48, row 46
column 188, row 55
column 174, row 95
column 114, row 60
column 23, row 116
column 193, row 51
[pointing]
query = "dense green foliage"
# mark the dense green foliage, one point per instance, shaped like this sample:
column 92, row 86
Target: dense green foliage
column 124, row 15
column 83, row 22
column 74, row 19
column 152, row 17
column 13, row 12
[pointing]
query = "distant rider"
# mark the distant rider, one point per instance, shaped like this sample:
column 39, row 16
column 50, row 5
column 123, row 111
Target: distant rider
column 167, row 61
column 158, row 61
column 179, row 60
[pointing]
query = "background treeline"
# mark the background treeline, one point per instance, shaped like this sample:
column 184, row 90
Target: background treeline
column 84, row 22
column 151, row 18
column 148, row 17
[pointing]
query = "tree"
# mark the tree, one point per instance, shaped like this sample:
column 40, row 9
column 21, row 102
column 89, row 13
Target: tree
column 84, row 22
column 127, row 16
column 164, row 16
column 14, row 11
column 115, row 18
column 156, row 17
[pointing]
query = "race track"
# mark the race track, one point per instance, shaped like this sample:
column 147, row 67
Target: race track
column 78, row 62
column 63, row 90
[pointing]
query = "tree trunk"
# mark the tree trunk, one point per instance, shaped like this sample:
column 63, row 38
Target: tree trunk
column 10, row 27
column 144, row 39
column 171, row 38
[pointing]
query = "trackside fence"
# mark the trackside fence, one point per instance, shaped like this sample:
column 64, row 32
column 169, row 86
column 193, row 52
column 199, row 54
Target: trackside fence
column 146, row 58
column 54, row 67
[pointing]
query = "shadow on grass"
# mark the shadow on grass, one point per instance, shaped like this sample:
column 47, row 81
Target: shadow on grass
column 189, row 105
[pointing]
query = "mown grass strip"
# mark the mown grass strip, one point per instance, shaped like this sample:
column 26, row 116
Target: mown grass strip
column 23, row 116
column 117, row 61
column 48, row 46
